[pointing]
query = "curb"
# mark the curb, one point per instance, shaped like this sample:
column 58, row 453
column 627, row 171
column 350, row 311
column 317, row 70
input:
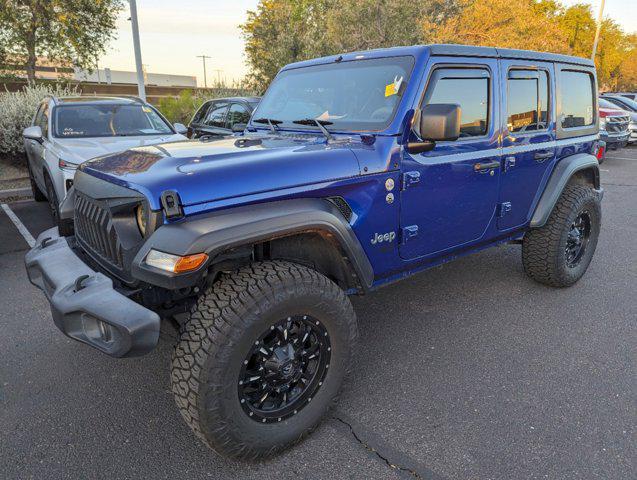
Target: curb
column 15, row 192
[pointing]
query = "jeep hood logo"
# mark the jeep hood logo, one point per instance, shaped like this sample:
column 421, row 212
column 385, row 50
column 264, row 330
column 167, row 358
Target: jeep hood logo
column 383, row 237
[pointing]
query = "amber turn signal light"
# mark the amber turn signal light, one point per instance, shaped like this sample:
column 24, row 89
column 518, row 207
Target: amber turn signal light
column 190, row 262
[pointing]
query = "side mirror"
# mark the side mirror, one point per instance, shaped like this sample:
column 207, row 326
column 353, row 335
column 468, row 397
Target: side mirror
column 239, row 127
column 180, row 128
column 436, row 122
column 33, row 133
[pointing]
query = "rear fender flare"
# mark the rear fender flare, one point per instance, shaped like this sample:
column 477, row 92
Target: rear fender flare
column 562, row 173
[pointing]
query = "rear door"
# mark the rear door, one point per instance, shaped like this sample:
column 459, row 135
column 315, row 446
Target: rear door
column 528, row 145
column 449, row 194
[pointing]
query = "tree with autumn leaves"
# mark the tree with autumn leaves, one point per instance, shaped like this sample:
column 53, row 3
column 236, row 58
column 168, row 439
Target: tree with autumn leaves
column 283, row 31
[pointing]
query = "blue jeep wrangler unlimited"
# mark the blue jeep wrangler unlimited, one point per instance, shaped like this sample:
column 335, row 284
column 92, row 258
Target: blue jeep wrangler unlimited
column 355, row 171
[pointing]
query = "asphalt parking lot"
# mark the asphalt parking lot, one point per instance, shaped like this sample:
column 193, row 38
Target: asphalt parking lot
column 467, row 371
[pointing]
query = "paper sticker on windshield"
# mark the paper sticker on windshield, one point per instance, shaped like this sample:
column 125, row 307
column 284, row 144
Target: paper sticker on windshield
column 146, row 109
column 394, row 87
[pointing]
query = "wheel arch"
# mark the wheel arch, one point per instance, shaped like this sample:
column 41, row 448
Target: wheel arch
column 312, row 232
column 581, row 168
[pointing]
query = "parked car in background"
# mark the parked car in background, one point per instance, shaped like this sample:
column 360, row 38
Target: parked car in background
column 613, row 125
column 67, row 131
column 222, row 116
column 628, row 105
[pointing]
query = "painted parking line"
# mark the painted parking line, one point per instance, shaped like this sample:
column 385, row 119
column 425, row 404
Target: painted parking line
column 633, row 159
column 19, row 225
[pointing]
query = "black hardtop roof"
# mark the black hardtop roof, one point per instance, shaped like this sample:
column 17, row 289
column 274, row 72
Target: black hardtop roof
column 493, row 52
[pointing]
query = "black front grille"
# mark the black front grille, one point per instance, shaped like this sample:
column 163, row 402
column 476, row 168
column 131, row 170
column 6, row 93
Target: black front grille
column 95, row 230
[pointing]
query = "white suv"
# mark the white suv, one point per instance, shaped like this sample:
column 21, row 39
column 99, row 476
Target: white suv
column 67, row 131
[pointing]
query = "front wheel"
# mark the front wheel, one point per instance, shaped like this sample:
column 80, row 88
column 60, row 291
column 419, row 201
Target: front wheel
column 262, row 358
column 559, row 253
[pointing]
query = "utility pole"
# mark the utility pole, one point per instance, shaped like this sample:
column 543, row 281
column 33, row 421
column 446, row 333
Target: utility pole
column 141, row 89
column 205, row 80
column 599, row 27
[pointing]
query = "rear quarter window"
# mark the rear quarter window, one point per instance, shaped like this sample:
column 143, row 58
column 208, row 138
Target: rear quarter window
column 577, row 99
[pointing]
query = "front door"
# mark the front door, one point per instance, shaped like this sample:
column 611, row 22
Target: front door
column 449, row 194
column 528, row 146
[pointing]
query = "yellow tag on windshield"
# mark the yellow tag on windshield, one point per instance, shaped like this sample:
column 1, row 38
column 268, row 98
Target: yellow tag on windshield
column 394, row 87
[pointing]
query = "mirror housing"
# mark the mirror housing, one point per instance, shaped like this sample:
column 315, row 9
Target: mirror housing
column 239, row 127
column 33, row 133
column 436, row 122
column 180, row 128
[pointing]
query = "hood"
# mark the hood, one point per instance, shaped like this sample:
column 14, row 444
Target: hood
column 202, row 171
column 79, row 150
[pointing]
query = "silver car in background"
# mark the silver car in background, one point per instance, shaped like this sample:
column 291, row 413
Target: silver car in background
column 67, row 131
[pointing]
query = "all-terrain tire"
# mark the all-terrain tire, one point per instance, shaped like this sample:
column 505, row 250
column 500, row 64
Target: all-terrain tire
column 38, row 195
column 221, row 330
column 544, row 250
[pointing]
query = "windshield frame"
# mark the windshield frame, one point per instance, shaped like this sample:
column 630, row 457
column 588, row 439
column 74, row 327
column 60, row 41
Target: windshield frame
column 54, row 134
column 286, row 126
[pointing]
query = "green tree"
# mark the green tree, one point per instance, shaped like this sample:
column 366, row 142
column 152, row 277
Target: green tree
column 76, row 31
column 279, row 32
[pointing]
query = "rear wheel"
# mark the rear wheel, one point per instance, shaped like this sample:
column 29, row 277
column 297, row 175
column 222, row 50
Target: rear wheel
column 559, row 253
column 262, row 358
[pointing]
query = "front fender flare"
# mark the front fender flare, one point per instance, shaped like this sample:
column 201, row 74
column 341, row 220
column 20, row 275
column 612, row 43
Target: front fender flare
column 562, row 173
column 216, row 232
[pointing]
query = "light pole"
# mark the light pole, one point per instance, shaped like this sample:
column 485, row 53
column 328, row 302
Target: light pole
column 141, row 89
column 599, row 27
column 205, row 80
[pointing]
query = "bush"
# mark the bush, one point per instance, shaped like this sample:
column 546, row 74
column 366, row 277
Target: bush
column 17, row 110
column 182, row 108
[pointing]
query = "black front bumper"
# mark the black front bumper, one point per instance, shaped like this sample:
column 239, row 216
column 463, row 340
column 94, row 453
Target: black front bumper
column 84, row 304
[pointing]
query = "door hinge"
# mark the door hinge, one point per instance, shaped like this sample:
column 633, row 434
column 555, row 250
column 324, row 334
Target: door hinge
column 509, row 163
column 408, row 233
column 410, row 179
column 504, row 208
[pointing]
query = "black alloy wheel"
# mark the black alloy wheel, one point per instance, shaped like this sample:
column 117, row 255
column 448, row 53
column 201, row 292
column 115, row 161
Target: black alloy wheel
column 284, row 369
column 578, row 237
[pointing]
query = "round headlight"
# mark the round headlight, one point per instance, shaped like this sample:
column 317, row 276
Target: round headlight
column 141, row 215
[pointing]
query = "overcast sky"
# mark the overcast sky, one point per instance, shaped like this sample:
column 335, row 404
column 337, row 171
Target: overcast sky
column 173, row 33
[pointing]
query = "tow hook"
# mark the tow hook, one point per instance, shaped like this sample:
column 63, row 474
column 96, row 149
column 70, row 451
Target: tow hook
column 45, row 242
column 78, row 282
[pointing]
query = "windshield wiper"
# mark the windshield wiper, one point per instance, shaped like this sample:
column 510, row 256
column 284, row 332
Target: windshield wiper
column 270, row 121
column 319, row 123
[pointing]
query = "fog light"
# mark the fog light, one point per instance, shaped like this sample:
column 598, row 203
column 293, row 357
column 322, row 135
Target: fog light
column 175, row 263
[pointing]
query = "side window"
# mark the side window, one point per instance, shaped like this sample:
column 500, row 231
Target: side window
column 201, row 113
column 527, row 100
column 38, row 115
column 468, row 88
column 43, row 121
column 577, row 99
column 237, row 114
column 216, row 115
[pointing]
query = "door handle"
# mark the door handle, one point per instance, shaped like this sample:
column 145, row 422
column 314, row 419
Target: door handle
column 486, row 166
column 542, row 155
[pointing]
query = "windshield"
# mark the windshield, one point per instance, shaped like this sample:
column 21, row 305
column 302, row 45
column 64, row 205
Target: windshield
column 353, row 95
column 107, row 120
column 625, row 103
